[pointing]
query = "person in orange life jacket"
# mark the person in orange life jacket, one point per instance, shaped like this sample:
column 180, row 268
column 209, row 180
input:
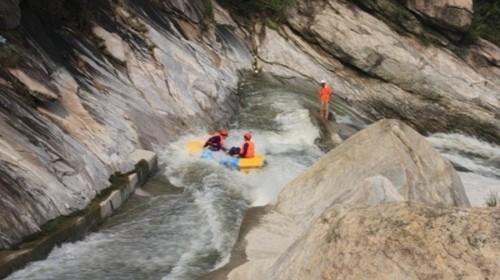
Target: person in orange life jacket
column 216, row 141
column 325, row 95
column 247, row 150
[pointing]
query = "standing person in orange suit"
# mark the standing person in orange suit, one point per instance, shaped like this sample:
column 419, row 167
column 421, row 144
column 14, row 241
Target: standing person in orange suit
column 325, row 95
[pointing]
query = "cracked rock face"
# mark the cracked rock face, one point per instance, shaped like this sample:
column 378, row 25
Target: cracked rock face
column 455, row 15
column 395, row 241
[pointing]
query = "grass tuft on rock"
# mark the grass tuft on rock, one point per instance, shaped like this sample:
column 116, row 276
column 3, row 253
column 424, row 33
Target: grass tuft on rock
column 492, row 199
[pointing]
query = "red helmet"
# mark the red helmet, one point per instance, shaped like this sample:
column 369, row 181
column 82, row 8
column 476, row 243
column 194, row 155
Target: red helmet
column 247, row 136
column 223, row 132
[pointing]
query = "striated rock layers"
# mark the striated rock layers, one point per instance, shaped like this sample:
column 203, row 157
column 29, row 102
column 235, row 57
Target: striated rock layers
column 76, row 105
column 382, row 205
column 454, row 15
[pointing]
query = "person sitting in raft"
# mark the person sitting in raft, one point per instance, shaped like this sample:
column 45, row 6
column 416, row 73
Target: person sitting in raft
column 247, row 150
column 216, row 141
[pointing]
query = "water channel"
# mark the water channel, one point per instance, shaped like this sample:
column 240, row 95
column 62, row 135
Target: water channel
column 191, row 220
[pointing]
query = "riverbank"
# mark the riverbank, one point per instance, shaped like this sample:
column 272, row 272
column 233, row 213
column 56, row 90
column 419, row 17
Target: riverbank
column 77, row 225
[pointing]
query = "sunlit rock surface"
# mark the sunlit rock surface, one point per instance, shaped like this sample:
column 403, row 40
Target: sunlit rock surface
column 387, row 174
column 389, row 154
column 394, row 241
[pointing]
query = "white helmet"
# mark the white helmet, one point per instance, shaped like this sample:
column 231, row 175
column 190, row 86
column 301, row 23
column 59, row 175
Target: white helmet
column 322, row 82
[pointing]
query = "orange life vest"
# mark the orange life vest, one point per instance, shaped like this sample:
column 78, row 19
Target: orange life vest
column 210, row 142
column 250, row 150
column 325, row 93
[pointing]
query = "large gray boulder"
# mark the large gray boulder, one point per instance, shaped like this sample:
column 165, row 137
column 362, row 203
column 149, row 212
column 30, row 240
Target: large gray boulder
column 395, row 241
column 387, row 163
column 387, row 149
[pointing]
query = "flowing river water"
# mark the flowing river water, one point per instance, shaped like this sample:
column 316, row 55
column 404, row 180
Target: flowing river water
column 191, row 221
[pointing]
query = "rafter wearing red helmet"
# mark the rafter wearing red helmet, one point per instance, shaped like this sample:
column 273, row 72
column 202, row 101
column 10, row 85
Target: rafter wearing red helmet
column 216, row 141
column 247, row 150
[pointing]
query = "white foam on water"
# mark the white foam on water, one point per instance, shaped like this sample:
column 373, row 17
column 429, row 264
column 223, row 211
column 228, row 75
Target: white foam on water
column 468, row 152
column 145, row 243
column 288, row 145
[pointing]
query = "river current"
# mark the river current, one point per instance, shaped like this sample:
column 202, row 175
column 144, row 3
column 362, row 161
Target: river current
column 190, row 222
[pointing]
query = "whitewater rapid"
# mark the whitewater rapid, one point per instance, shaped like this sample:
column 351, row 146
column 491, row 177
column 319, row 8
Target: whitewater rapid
column 188, row 230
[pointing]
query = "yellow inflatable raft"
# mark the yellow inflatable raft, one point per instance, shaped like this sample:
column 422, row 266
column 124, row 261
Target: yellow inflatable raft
column 195, row 148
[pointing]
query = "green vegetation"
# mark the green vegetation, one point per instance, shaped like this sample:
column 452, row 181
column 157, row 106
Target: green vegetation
column 142, row 166
column 486, row 21
column 209, row 9
column 8, row 57
column 75, row 13
column 492, row 199
column 275, row 9
column 400, row 15
column 51, row 227
column 57, row 223
column 429, row 39
column 118, row 180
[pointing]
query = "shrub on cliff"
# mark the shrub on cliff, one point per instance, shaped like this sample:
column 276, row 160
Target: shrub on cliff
column 275, row 9
column 76, row 13
column 486, row 20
